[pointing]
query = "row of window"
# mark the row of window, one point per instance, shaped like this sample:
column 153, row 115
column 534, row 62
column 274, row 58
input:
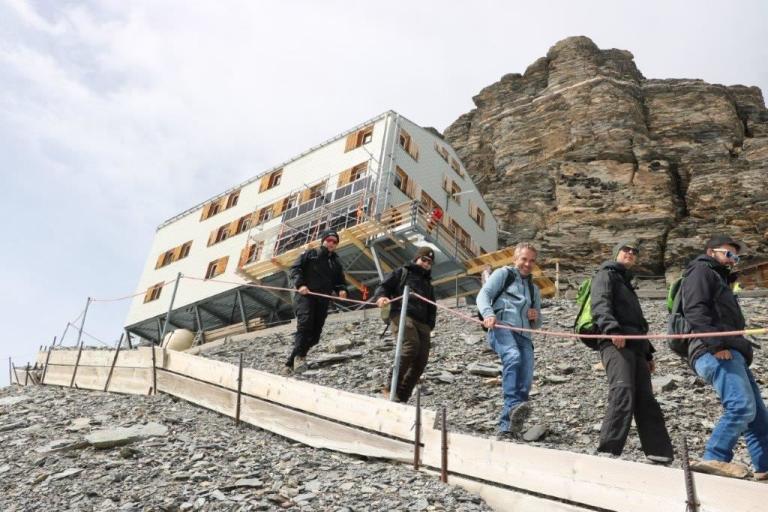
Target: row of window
column 175, row 254
column 408, row 187
column 452, row 162
column 220, row 204
column 215, row 268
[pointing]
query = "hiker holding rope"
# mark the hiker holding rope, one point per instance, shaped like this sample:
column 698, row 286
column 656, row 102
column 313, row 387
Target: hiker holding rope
column 320, row 271
column 510, row 297
column 709, row 305
column 628, row 364
column 419, row 321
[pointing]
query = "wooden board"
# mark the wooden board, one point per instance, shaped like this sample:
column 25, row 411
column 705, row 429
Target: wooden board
column 306, row 429
column 136, row 381
column 135, row 358
column 367, row 412
column 501, row 499
column 594, row 481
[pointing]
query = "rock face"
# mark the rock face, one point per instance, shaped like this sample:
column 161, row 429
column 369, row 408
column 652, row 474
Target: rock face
column 581, row 150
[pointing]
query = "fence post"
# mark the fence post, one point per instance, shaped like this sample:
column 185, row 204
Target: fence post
column 170, row 308
column 691, row 502
column 417, row 434
column 239, row 390
column 114, row 360
column 77, row 361
column 82, row 323
column 399, row 347
column 47, row 359
column 26, row 375
column 154, row 371
column 443, row 449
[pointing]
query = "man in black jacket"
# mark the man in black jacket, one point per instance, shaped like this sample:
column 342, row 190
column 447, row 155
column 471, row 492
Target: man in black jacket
column 709, row 305
column 420, row 317
column 628, row 363
column 320, row 271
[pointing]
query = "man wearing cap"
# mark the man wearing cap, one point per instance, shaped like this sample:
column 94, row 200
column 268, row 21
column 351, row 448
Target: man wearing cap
column 509, row 298
column 419, row 321
column 319, row 271
column 628, row 363
column 709, row 305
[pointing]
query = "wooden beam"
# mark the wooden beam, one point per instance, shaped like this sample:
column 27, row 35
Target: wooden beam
column 307, row 429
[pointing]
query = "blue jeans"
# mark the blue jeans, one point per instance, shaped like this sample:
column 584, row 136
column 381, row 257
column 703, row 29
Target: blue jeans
column 516, row 354
column 744, row 410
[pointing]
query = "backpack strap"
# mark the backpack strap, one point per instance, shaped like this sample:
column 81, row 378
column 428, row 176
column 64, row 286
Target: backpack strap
column 507, row 283
column 403, row 278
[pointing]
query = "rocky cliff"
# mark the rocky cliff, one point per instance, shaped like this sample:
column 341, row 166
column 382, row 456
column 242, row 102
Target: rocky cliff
column 582, row 150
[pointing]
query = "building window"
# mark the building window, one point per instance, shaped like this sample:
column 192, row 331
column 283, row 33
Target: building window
column 185, row 248
column 265, row 214
column 243, row 223
column 455, row 191
column 407, row 143
column 271, row 180
column 457, row 167
column 359, row 138
column 167, row 258
column 477, row 215
column 442, row 152
column 352, row 174
column 232, row 199
column 313, row 192
column 216, row 267
column 222, row 233
column 219, row 205
column 153, row 292
column 254, row 252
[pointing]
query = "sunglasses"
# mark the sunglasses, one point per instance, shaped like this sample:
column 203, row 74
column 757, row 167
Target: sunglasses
column 728, row 254
column 631, row 250
column 329, row 240
column 426, row 260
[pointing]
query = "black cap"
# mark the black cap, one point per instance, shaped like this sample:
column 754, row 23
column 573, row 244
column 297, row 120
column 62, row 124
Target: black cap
column 330, row 233
column 718, row 240
column 426, row 252
column 630, row 244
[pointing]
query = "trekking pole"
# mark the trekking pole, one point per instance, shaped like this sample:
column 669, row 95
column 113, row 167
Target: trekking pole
column 399, row 346
column 417, row 433
column 691, row 502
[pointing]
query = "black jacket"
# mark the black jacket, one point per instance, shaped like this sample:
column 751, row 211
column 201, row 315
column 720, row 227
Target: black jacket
column 709, row 305
column 616, row 309
column 318, row 270
column 420, row 281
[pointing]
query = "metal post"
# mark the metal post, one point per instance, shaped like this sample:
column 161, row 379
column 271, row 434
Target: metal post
column 239, row 390
column 170, row 307
column 417, row 434
column 15, row 373
column 457, row 290
column 66, row 328
column 77, row 362
column 82, row 323
column 114, row 360
column 10, row 372
column 242, row 310
column 557, row 279
column 443, row 449
column 399, row 347
column 691, row 502
column 26, row 375
column 200, row 327
column 154, row 371
column 376, row 262
column 47, row 358
column 128, row 339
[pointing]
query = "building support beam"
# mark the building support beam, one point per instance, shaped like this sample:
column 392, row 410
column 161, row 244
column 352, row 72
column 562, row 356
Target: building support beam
column 243, row 318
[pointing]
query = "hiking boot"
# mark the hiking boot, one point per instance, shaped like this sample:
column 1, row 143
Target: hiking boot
column 286, row 371
column 720, row 468
column 299, row 364
column 659, row 459
column 517, row 417
column 505, row 435
column 761, row 476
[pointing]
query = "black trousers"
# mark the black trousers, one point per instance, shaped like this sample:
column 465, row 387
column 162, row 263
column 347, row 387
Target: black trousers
column 630, row 393
column 311, row 312
column 413, row 356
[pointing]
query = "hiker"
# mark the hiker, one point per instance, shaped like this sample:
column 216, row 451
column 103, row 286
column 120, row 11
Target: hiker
column 510, row 298
column 419, row 321
column 709, row 305
column 628, row 363
column 320, row 271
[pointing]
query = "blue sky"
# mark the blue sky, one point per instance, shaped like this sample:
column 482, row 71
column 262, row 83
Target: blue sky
column 116, row 115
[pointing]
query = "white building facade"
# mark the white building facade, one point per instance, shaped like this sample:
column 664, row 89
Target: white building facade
column 354, row 177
